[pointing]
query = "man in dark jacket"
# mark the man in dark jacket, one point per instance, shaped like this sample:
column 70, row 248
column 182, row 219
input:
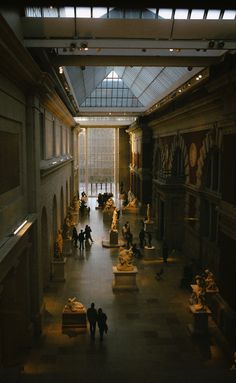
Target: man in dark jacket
column 92, row 318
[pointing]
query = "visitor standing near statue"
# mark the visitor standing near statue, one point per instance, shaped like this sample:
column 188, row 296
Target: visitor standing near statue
column 165, row 251
column 81, row 238
column 142, row 241
column 92, row 316
column 88, row 231
column 74, row 236
column 102, row 323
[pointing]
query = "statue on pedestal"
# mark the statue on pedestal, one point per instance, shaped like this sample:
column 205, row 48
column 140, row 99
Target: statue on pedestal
column 74, row 305
column 58, row 246
column 125, row 260
column 109, row 204
column 197, row 298
column 209, row 280
column 75, row 204
column 114, row 220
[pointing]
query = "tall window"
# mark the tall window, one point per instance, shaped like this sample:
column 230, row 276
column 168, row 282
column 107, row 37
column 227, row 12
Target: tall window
column 97, row 160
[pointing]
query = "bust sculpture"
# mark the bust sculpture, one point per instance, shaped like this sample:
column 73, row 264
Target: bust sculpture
column 125, row 260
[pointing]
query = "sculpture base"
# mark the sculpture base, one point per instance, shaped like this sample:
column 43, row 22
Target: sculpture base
column 149, row 226
column 58, row 270
column 200, row 324
column 114, row 237
column 67, row 247
column 108, row 245
column 130, row 210
column 74, row 319
column 149, row 252
column 124, row 280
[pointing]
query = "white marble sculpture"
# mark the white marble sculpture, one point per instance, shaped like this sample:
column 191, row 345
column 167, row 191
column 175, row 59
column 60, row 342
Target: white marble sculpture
column 114, row 220
column 125, row 260
column 74, row 305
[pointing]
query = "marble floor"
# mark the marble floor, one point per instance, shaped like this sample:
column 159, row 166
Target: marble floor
column 148, row 338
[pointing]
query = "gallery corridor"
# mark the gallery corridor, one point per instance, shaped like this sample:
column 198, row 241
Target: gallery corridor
column 148, row 338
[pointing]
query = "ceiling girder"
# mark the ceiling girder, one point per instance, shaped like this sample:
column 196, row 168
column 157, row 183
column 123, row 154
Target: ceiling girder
column 72, row 60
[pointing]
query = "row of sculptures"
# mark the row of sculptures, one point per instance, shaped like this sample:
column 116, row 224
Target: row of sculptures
column 65, row 233
column 204, row 283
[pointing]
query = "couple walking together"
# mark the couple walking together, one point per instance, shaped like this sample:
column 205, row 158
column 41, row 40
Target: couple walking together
column 97, row 317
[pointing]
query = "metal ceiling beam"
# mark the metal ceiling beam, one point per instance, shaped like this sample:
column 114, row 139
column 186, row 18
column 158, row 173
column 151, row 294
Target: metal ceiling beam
column 72, row 60
column 131, row 44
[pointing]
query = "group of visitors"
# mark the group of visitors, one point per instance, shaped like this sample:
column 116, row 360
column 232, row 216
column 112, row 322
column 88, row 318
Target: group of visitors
column 83, row 236
column 97, row 317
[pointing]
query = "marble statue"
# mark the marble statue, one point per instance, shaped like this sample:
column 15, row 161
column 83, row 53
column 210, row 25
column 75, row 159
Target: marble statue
column 133, row 202
column 148, row 213
column 58, row 245
column 75, row 203
column 209, row 280
column 125, row 260
column 114, row 220
column 197, row 298
column 109, row 204
column 74, row 305
column 130, row 196
column 67, row 228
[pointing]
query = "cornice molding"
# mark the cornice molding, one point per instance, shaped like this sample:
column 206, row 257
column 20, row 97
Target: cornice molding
column 19, row 67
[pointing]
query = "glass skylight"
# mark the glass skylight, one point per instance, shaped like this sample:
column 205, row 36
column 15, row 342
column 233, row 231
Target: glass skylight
column 165, row 13
column 83, row 12
column 229, row 15
column 197, row 14
column 213, row 14
column 99, row 12
column 181, row 14
column 67, row 12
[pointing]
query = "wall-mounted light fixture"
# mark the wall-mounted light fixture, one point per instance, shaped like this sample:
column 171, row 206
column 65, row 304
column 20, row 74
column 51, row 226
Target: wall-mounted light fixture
column 20, row 227
column 220, row 44
column 211, row 44
column 61, row 70
column 83, row 47
column 72, row 47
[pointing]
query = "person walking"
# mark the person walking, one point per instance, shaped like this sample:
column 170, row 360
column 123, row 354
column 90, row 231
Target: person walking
column 88, row 231
column 81, row 238
column 142, row 241
column 102, row 323
column 74, row 236
column 92, row 316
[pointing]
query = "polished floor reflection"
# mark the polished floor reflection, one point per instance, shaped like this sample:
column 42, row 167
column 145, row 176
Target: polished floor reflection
column 148, row 338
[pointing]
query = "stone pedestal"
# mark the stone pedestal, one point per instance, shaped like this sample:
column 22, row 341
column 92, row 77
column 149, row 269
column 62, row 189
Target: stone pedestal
column 67, row 247
column 200, row 321
column 58, row 270
column 114, row 237
column 74, row 319
column 130, row 210
column 124, row 280
column 149, row 226
column 149, row 252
